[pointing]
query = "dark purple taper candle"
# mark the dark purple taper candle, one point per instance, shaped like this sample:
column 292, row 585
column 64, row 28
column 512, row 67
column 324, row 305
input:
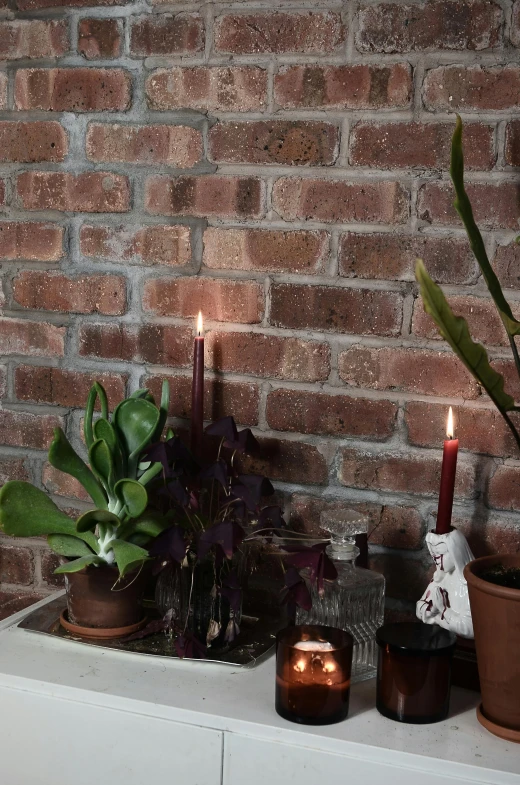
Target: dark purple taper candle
column 197, row 390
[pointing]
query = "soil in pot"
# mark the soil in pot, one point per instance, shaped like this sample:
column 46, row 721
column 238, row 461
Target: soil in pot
column 502, row 576
column 97, row 597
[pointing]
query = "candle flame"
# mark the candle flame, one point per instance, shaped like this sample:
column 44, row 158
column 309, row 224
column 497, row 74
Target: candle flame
column 199, row 324
column 329, row 667
column 449, row 427
column 300, row 666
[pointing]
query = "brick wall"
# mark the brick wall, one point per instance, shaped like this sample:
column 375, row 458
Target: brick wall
column 282, row 165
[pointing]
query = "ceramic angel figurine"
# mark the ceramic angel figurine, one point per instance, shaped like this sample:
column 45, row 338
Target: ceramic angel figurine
column 445, row 601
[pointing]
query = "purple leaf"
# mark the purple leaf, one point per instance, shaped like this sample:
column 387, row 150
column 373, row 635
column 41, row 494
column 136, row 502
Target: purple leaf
column 226, row 536
column 232, row 591
column 315, row 560
column 217, row 471
column 251, row 488
column 248, row 443
column 225, row 428
column 154, row 626
column 187, row 645
column 170, row 543
column 296, row 591
column 269, row 519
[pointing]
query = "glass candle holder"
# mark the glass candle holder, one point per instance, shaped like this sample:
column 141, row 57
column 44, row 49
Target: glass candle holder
column 414, row 672
column 313, row 665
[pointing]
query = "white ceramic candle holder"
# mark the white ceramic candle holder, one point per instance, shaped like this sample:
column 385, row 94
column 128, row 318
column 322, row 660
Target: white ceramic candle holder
column 445, row 601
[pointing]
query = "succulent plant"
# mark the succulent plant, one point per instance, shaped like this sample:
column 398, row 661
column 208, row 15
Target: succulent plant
column 120, row 527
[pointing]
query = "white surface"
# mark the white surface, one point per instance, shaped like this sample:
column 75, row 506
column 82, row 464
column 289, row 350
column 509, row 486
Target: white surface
column 57, row 696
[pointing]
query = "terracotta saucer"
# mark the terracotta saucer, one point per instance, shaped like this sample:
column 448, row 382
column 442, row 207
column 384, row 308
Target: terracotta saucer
column 100, row 633
column 498, row 730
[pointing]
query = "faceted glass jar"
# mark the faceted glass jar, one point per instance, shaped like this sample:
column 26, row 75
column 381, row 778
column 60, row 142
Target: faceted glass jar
column 355, row 600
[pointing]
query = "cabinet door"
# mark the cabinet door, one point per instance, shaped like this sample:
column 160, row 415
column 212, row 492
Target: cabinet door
column 47, row 740
column 260, row 761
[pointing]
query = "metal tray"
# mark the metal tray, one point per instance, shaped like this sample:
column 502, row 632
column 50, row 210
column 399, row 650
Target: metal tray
column 253, row 645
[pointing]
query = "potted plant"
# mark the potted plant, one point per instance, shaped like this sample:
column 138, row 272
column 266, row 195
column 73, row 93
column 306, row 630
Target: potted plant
column 106, row 548
column 218, row 510
column 493, row 581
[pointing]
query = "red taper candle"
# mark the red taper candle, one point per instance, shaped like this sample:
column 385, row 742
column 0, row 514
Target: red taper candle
column 197, row 390
column 449, row 469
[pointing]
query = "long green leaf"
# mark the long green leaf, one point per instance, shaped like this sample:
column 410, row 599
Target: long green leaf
column 63, row 456
column 128, row 556
column 96, row 391
column 454, row 330
column 133, row 496
column 462, row 205
column 78, row 564
column 135, row 421
column 102, row 463
column 150, row 473
column 26, row 511
column 89, row 520
column 66, row 545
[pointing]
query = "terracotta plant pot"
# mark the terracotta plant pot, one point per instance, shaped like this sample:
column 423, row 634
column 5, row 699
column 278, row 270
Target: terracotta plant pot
column 97, row 598
column 496, row 620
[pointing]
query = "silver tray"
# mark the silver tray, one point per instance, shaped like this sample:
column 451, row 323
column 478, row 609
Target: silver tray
column 253, row 645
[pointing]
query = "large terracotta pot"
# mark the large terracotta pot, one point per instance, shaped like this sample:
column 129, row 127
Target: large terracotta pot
column 496, row 620
column 97, row 598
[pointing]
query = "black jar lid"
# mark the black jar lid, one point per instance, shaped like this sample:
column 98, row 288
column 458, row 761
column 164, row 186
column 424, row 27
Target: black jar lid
column 422, row 640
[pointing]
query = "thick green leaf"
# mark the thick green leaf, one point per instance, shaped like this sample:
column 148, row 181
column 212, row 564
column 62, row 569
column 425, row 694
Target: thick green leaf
column 102, row 463
column 128, row 556
column 143, row 392
column 462, row 205
column 135, row 421
column 78, row 564
column 96, row 391
column 150, row 525
column 66, row 545
column 132, row 495
column 90, row 519
column 150, row 473
column 25, row 511
column 63, row 457
column 104, row 430
column 163, row 409
column 454, row 330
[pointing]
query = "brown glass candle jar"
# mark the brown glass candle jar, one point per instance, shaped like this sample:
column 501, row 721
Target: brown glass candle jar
column 414, row 672
column 313, row 665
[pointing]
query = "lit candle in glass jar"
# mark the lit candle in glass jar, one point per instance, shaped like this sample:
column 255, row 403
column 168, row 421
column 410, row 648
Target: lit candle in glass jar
column 313, row 667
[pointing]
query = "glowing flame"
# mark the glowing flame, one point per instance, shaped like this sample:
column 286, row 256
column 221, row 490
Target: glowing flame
column 300, row 666
column 199, row 324
column 449, row 427
column 329, row 667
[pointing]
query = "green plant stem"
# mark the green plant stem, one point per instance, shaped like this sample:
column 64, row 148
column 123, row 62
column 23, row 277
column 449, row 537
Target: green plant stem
column 516, row 355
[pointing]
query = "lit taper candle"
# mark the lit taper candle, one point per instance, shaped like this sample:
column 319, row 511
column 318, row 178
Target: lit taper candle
column 197, row 390
column 449, row 468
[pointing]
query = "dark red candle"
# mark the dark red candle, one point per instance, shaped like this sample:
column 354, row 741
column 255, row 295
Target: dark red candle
column 449, row 468
column 197, row 390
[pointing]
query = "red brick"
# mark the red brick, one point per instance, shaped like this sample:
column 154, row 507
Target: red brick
column 149, row 343
column 3, row 90
column 408, row 370
column 424, row 145
column 148, row 245
column 401, row 472
column 12, row 602
column 495, row 205
column 285, row 142
column 73, row 89
column 32, row 339
column 32, row 241
column 479, row 430
column 278, row 33
column 165, row 34
column 507, row 265
column 87, row 192
column 222, row 398
column 16, row 564
column 439, row 24
column 49, row 562
column 513, row 143
column 219, row 89
column 206, row 195
column 40, row 290
column 220, row 299
column 174, row 145
column 484, row 322
column 472, row 88
column 25, row 5
column 507, row 369
column 343, row 86
column 504, row 488
column 486, row 537
column 33, row 38
column 64, row 388
column 287, row 461
column 99, row 38
column 22, row 429
column 32, row 142
column 332, row 415
column 265, row 250
column 393, row 257
column 406, row 578
column 360, row 311
column 12, row 470
column 515, row 24
column 268, row 355
column 62, row 484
